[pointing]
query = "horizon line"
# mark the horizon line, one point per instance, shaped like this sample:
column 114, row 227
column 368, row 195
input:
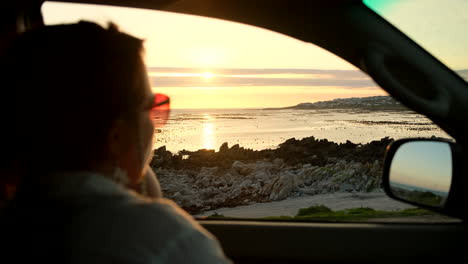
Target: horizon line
column 264, row 68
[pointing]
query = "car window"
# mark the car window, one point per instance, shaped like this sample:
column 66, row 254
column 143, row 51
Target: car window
column 439, row 27
column 263, row 125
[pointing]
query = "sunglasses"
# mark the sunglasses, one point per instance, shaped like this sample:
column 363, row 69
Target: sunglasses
column 160, row 110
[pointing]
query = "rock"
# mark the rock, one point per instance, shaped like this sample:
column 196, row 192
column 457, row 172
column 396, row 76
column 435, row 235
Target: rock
column 292, row 152
column 262, row 166
column 278, row 162
column 204, row 171
column 245, row 183
column 241, row 168
column 235, row 176
column 224, row 148
column 346, row 187
column 260, row 176
column 290, row 141
column 235, row 148
column 160, row 150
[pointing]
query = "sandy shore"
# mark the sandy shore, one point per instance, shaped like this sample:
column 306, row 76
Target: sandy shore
column 336, row 201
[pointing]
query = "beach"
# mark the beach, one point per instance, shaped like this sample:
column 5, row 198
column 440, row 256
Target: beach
column 260, row 163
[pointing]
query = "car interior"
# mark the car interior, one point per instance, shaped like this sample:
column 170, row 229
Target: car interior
column 353, row 31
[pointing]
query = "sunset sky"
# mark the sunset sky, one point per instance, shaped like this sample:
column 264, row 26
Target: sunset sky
column 437, row 26
column 210, row 63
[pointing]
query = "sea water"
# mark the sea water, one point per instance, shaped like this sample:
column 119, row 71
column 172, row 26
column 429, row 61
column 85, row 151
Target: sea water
column 193, row 129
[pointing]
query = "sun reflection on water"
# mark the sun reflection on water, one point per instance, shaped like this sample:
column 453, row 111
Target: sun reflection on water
column 208, row 133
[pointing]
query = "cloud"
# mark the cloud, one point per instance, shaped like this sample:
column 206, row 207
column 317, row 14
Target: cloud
column 186, row 77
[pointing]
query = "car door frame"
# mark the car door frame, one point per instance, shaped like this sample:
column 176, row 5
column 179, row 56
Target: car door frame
column 353, row 32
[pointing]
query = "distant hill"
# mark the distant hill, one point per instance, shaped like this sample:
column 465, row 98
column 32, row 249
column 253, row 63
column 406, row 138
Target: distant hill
column 367, row 103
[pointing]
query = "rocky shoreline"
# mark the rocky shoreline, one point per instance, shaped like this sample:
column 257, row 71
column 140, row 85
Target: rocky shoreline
column 206, row 179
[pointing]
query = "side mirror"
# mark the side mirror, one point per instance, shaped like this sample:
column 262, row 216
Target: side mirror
column 427, row 173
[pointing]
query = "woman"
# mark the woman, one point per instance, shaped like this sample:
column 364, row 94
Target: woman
column 81, row 135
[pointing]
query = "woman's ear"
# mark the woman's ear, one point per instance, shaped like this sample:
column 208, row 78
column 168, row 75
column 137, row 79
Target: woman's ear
column 123, row 149
column 118, row 139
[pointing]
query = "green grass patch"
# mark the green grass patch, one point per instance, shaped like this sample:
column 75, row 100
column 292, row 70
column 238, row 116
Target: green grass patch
column 316, row 209
column 216, row 216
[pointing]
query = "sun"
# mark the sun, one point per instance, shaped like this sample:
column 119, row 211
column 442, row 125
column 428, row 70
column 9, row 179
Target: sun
column 207, row 75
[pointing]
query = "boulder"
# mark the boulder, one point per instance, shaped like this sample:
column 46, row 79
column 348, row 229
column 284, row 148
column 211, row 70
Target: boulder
column 224, row 148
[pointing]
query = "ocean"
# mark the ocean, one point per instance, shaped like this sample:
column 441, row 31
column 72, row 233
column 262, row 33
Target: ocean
column 193, row 129
column 408, row 187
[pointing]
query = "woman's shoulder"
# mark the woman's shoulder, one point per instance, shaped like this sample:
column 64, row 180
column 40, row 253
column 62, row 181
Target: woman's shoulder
column 162, row 211
column 153, row 228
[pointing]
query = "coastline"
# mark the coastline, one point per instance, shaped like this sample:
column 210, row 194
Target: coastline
column 207, row 180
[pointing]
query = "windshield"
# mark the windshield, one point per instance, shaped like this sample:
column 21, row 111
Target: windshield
column 437, row 26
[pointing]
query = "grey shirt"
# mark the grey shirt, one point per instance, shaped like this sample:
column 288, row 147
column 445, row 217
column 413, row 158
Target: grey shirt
column 116, row 225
